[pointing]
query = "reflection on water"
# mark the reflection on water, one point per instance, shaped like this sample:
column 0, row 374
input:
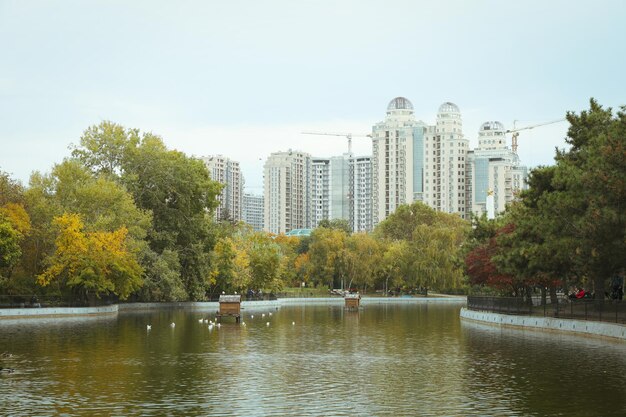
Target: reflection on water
column 384, row 360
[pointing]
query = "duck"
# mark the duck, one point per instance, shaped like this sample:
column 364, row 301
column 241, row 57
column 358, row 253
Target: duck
column 7, row 370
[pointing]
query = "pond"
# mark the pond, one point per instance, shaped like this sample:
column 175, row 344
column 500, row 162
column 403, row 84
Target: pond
column 312, row 360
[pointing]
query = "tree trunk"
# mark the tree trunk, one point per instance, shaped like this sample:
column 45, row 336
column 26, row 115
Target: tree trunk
column 598, row 284
column 543, row 296
column 529, row 296
column 553, row 297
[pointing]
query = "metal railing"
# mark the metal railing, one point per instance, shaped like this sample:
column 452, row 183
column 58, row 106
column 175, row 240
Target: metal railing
column 566, row 308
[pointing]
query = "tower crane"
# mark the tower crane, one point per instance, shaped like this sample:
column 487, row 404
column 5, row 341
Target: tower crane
column 515, row 131
column 346, row 135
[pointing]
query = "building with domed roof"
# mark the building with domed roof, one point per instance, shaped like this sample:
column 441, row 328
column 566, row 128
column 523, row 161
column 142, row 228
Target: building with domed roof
column 445, row 154
column 493, row 168
column 397, row 159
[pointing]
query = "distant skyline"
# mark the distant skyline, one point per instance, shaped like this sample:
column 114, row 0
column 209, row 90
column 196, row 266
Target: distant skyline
column 244, row 78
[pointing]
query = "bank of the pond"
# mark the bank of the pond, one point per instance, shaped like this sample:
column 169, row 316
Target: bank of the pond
column 25, row 313
column 581, row 327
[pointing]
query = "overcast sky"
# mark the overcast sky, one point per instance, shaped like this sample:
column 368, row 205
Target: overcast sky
column 244, row 78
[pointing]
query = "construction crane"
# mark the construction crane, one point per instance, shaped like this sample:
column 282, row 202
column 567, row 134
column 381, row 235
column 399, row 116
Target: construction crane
column 346, row 135
column 515, row 131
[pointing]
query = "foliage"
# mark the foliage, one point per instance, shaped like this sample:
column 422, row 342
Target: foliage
column 570, row 224
column 95, row 262
column 10, row 250
column 174, row 189
column 246, row 260
column 363, row 257
column 432, row 249
column 337, row 224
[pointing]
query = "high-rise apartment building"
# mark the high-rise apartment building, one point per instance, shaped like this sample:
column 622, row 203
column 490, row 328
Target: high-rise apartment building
column 252, row 211
column 494, row 168
column 341, row 189
column 397, row 159
column 360, row 193
column 227, row 172
column 445, row 155
column 287, row 184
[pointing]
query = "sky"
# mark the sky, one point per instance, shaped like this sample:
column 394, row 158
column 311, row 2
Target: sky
column 244, row 78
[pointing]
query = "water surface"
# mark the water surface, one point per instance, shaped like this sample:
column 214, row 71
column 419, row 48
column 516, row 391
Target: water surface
column 384, row 360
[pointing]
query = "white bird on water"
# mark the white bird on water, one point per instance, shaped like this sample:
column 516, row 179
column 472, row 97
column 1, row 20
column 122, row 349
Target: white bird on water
column 148, row 327
column 252, row 316
column 200, row 321
column 173, row 325
column 293, row 323
column 263, row 315
column 267, row 324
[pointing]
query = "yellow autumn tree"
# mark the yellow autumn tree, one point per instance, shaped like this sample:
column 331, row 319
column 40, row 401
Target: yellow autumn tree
column 95, row 263
column 17, row 215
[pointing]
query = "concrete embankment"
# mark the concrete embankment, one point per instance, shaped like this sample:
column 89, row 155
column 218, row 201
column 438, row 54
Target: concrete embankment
column 24, row 313
column 551, row 324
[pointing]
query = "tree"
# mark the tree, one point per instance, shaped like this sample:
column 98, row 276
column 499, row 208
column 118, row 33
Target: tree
column 176, row 190
column 105, row 148
column 327, row 256
column 591, row 181
column 181, row 196
column 94, row 263
column 363, row 259
column 433, row 254
column 337, row 224
column 10, row 250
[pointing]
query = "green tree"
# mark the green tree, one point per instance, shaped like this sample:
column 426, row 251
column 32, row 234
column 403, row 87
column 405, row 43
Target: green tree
column 363, row 260
column 337, row 224
column 175, row 189
column 327, row 256
column 590, row 180
column 181, row 196
column 433, row 252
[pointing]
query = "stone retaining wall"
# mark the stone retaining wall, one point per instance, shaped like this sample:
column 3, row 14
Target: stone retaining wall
column 586, row 328
column 16, row 313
